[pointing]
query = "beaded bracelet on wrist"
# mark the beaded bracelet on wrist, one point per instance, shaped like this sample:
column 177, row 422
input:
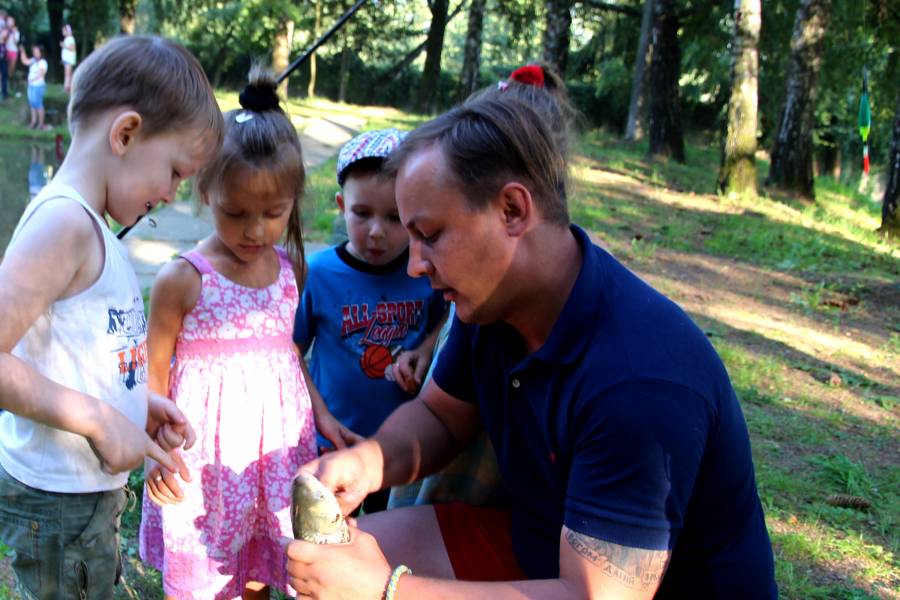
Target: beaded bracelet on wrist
column 391, row 589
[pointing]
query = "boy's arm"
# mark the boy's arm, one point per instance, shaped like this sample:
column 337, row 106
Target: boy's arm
column 412, row 365
column 50, row 261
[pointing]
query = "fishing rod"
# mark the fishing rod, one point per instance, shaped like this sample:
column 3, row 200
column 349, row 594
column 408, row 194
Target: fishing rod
column 334, row 28
column 291, row 68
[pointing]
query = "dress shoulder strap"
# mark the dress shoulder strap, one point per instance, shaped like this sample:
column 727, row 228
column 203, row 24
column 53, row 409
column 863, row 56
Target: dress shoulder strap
column 286, row 275
column 283, row 259
column 198, row 261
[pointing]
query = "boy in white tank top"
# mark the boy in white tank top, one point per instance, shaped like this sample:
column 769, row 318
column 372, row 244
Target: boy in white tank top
column 73, row 371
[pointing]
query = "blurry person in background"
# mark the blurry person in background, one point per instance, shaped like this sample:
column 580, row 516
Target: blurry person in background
column 69, row 56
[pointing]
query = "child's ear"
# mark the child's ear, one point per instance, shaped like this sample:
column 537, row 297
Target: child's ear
column 339, row 198
column 123, row 131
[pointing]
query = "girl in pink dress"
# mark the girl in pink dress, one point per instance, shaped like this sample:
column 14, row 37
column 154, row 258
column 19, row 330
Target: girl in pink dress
column 225, row 312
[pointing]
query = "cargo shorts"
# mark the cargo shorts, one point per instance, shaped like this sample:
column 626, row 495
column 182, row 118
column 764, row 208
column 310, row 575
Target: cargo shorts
column 66, row 545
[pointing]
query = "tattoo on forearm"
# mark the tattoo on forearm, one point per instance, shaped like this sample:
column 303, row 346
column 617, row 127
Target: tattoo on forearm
column 636, row 568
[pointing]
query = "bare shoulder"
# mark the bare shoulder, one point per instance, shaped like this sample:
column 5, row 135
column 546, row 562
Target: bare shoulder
column 56, row 253
column 177, row 285
column 57, row 241
column 59, row 222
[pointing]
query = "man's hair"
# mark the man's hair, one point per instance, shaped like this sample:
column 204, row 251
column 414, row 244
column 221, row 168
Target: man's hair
column 156, row 77
column 489, row 141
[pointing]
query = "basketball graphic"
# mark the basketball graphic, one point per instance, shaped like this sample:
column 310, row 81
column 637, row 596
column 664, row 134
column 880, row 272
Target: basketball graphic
column 374, row 361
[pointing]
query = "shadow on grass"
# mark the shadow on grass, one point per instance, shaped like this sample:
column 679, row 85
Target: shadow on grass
column 747, row 235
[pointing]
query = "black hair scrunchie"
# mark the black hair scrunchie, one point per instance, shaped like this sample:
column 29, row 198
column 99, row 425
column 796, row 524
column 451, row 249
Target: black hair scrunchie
column 259, row 98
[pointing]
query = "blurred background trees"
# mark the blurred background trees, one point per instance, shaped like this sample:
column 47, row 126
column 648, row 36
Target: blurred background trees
column 676, row 78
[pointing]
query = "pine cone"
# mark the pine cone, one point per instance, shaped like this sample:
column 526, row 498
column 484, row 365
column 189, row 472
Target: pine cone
column 848, row 501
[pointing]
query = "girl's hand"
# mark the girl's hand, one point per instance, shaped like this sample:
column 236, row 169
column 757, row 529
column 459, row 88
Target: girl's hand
column 167, row 423
column 162, row 486
column 332, row 430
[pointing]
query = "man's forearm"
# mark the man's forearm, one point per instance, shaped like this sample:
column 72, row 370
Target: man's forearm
column 413, row 443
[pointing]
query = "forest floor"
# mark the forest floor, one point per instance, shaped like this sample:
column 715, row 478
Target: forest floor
column 801, row 300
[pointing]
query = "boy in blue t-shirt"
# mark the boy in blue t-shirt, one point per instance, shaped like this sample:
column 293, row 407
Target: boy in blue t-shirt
column 359, row 305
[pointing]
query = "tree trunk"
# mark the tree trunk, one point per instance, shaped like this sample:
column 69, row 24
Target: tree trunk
column 390, row 75
column 792, row 153
column 472, row 58
column 890, row 208
column 55, row 16
column 737, row 174
column 426, row 99
column 311, row 87
column 281, row 54
column 634, row 130
column 666, row 135
column 344, row 78
column 127, row 12
column 557, row 23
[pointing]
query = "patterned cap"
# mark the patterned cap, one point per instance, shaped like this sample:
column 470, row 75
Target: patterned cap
column 369, row 144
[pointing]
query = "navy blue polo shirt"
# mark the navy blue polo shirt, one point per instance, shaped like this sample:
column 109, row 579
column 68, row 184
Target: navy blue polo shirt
column 623, row 426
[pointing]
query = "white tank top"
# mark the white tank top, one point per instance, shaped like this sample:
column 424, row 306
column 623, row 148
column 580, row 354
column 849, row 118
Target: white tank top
column 94, row 342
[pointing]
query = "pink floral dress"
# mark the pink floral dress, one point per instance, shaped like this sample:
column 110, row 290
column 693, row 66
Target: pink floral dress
column 238, row 381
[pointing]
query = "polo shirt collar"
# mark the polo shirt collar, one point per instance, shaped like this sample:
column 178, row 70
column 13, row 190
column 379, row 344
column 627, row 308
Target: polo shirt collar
column 570, row 333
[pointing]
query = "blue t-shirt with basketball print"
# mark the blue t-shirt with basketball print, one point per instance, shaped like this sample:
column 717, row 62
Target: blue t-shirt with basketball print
column 356, row 317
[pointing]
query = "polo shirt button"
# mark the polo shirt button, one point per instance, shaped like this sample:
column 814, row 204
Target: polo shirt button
column 515, row 383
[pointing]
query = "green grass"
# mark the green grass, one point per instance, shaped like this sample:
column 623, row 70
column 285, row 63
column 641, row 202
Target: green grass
column 320, row 212
column 834, row 235
column 14, row 115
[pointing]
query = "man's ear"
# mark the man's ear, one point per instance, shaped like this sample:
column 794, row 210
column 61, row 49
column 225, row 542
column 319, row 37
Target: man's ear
column 518, row 208
column 339, row 198
column 123, row 131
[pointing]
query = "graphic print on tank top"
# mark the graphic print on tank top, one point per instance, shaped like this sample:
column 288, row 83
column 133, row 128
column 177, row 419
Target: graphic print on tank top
column 129, row 326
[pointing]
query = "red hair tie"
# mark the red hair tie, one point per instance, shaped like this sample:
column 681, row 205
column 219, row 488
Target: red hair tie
column 529, row 75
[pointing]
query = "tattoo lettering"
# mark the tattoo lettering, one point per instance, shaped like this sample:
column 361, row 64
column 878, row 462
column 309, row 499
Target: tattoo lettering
column 635, row 568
